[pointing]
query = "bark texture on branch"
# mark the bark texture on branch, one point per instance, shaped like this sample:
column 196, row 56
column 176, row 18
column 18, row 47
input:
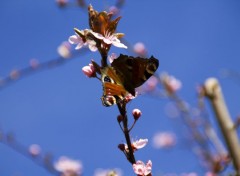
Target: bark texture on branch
column 214, row 94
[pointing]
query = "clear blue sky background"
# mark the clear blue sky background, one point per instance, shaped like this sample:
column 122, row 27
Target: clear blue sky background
column 60, row 109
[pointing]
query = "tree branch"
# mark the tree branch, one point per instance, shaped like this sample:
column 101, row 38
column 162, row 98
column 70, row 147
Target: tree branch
column 214, row 94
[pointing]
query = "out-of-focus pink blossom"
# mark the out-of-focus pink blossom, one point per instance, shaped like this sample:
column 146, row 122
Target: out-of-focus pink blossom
column 170, row 82
column 151, row 83
column 64, row 50
column 81, row 3
column 114, row 10
column 141, row 169
column 89, row 70
column 136, row 113
column 174, row 83
column 61, row 3
column 109, row 38
column 34, row 149
column 34, row 63
column 140, row 49
column 112, row 57
column 68, row 167
column 108, row 172
column 210, row 174
column 164, row 140
column 14, row 74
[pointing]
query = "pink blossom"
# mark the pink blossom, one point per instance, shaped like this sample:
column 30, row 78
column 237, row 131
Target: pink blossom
column 75, row 39
column 34, row 149
column 138, row 144
column 151, row 83
column 114, row 10
column 130, row 97
column 174, row 83
column 140, row 49
column 80, row 42
column 136, row 113
column 210, row 174
column 109, row 38
column 64, row 49
column 141, row 169
column 34, row 63
column 89, row 70
column 112, row 57
column 170, row 82
column 68, row 167
column 164, row 140
column 14, row 74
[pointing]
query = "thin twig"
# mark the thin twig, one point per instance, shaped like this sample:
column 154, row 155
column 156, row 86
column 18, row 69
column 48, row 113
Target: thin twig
column 122, row 110
column 8, row 80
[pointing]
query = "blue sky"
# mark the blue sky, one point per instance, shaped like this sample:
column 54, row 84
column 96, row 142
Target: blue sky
column 60, row 109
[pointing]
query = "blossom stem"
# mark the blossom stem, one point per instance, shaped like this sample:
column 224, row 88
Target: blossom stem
column 121, row 127
column 57, row 62
column 104, row 59
column 41, row 161
column 132, row 125
column 122, row 110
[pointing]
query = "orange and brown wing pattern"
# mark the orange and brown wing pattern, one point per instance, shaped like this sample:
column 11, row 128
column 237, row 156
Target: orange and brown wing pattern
column 125, row 74
column 113, row 90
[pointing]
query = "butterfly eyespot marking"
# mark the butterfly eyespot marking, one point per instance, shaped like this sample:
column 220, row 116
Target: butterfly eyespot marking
column 124, row 75
column 106, row 79
column 108, row 100
column 151, row 68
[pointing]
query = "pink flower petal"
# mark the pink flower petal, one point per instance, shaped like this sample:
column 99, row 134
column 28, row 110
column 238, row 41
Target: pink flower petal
column 148, row 167
column 92, row 48
column 140, row 143
column 112, row 57
column 120, row 45
column 74, row 39
column 79, row 46
column 141, row 169
column 97, row 35
column 89, row 70
column 107, row 41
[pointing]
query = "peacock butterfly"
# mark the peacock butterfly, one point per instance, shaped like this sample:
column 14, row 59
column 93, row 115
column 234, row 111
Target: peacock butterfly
column 124, row 75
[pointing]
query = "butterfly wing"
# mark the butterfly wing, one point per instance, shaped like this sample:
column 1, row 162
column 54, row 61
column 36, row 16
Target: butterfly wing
column 133, row 72
column 113, row 89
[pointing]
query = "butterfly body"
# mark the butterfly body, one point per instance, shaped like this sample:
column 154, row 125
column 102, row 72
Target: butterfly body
column 124, row 75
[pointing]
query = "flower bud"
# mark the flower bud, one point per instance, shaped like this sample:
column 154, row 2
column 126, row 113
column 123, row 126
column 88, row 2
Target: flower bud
column 89, row 70
column 121, row 147
column 120, row 118
column 136, row 114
